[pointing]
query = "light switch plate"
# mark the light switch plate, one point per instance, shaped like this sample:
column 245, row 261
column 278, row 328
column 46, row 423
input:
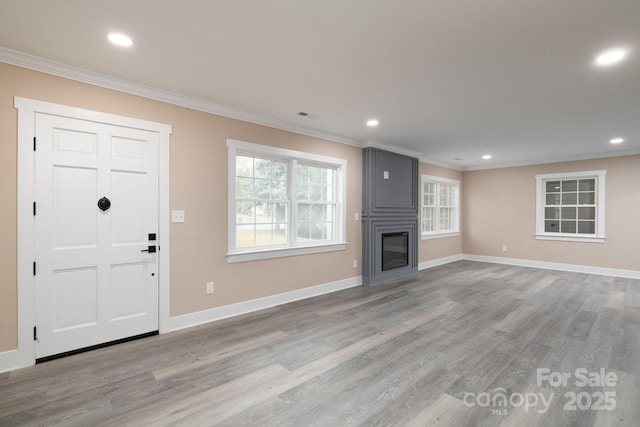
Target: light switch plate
column 177, row 216
column 385, row 175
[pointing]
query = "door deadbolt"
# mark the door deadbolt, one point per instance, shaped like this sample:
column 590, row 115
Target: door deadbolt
column 104, row 204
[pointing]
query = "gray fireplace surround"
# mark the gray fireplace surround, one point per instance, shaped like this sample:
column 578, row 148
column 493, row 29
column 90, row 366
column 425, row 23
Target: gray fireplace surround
column 389, row 206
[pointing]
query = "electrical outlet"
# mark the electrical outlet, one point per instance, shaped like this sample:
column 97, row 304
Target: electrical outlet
column 355, row 263
column 210, row 288
column 504, row 248
column 177, row 216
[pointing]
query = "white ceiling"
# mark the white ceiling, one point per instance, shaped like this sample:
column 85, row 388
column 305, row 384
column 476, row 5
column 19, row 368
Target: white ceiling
column 446, row 78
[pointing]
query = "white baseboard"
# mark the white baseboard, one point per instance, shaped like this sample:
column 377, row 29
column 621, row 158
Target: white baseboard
column 439, row 261
column 219, row 313
column 574, row 268
column 13, row 359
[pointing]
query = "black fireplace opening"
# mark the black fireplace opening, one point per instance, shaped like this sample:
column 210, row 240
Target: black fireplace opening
column 395, row 250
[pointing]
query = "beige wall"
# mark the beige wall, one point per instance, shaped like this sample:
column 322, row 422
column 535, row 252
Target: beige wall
column 499, row 209
column 198, row 185
column 431, row 249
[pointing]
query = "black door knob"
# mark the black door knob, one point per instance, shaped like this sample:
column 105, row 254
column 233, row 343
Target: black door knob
column 104, row 204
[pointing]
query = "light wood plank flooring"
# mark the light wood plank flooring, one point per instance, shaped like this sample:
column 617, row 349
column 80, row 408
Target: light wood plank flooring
column 417, row 351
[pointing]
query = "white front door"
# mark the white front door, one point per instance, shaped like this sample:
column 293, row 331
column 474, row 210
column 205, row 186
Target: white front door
column 94, row 282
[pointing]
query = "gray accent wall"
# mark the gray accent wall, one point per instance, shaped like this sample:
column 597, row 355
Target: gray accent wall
column 390, row 204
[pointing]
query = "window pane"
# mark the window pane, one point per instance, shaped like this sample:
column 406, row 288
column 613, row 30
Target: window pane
column 567, row 226
column 244, row 166
column 315, row 174
column 302, row 172
column 429, row 215
column 303, row 191
column 244, row 188
column 245, row 213
column 570, row 185
column 587, row 227
column 264, row 234
column 568, row 213
column 587, row 198
column 315, row 192
column 304, row 212
column 280, row 214
column 587, row 213
column 569, row 198
column 551, row 213
column 262, row 168
column 279, row 236
column 552, row 186
column 551, row 226
column 429, row 194
column 446, row 219
column 278, row 190
column 587, row 184
column 317, row 213
column 315, row 231
column 244, row 236
column 279, row 170
column 261, row 189
column 445, row 195
column 553, row 199
column 264, row 213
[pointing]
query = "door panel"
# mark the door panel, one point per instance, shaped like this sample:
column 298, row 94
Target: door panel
column 76, row 298
column 128, row 216
column 129, row 293
column 74, row 211
column 93, row 283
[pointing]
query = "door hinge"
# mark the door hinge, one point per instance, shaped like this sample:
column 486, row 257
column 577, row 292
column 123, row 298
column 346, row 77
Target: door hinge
column 34, row 143
column 35, row 333
column 34, row 208
column 34, row 268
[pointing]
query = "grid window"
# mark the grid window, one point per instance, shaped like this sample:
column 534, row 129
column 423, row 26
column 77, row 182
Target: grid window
column 261, row 201
column 440, row 201
column 316, row 203
column 571, row 206
column 283, row 201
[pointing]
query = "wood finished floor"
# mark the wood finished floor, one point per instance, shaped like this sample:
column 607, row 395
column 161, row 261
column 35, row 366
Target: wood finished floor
column 404, row 353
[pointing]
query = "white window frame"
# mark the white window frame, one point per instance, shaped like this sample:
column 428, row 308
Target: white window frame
column 599, row 236
column 456, row 201
column 293, row 247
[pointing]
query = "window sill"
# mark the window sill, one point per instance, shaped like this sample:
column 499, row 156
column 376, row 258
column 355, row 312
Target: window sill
column 439, row 235
column 284, row 252
column 571, row 238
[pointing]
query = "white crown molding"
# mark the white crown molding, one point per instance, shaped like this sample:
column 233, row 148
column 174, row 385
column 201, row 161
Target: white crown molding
column 392, row 148
column 556, row 160
column 55, row 68
column 441, row 164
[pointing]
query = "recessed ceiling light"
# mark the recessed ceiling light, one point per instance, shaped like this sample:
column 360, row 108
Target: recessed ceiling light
column 486, row 156
column 610, row 57
column 372, row 122
column 120, row 39
column 617, row 141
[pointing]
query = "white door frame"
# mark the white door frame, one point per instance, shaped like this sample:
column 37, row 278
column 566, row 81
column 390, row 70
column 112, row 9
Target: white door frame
column 27, row 109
